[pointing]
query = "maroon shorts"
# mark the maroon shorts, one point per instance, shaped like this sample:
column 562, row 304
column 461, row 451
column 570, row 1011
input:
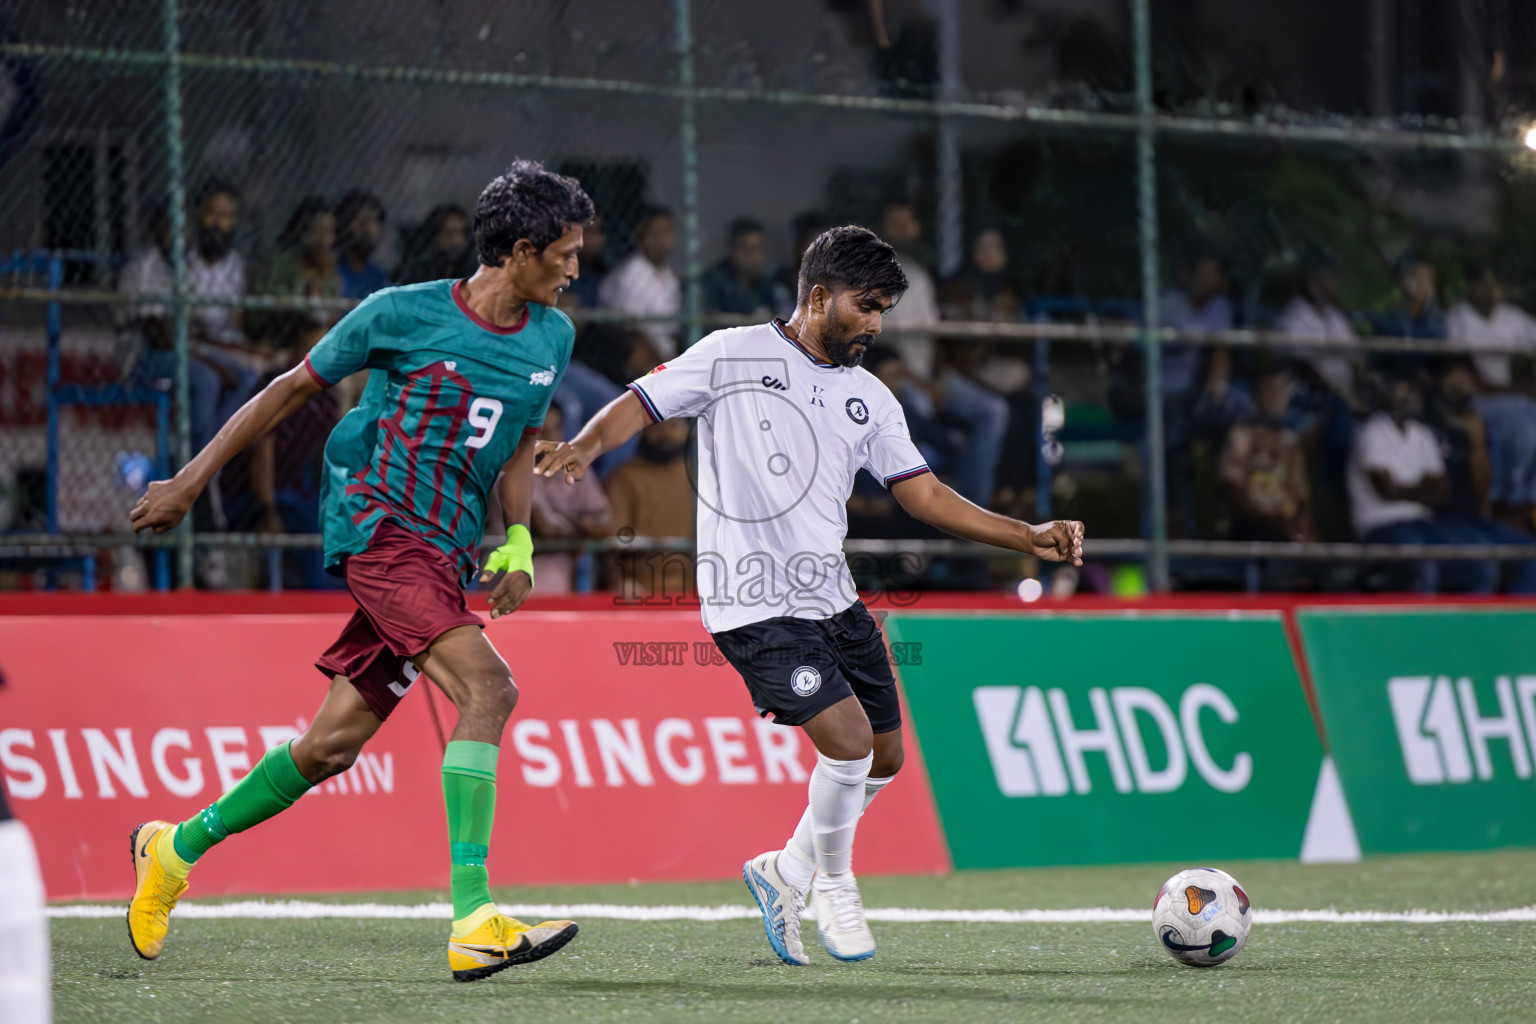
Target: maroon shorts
column 407, row 595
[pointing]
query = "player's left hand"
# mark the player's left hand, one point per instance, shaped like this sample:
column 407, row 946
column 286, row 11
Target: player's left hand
column 1058, row 541
column 509, row 594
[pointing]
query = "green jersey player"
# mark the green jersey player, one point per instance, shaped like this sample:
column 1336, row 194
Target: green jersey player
column 461, row 374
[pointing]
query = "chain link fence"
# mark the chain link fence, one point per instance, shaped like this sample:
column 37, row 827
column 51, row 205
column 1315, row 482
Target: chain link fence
column 1162, row 252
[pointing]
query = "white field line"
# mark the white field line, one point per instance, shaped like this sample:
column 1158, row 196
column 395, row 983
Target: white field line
column 735, row 912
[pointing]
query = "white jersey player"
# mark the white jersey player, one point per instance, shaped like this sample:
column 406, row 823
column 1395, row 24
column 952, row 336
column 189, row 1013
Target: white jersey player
column 786, row 418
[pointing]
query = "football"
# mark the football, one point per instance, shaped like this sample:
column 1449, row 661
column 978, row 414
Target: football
column 1201, row 917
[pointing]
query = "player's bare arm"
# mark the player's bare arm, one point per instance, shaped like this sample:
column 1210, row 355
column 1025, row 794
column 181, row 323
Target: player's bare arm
column 515, row 492
column 939, row 506
column 166, row 502
column 617, row 422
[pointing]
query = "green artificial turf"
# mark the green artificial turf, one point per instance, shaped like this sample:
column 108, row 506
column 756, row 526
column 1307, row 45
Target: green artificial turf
column 341, row 970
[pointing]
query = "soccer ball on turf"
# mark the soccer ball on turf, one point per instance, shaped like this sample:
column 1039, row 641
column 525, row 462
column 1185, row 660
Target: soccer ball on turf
column 1201, row 917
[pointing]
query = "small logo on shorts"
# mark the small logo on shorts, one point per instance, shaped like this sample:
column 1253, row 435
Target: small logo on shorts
column 857, row 411
column 805, row 680
column 409, row 672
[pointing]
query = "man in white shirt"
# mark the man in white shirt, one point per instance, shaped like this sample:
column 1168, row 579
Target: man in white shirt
column 1396, row 473
column 1485, row 321
column 786, row 418
column 1314, row 312
column 645, row 284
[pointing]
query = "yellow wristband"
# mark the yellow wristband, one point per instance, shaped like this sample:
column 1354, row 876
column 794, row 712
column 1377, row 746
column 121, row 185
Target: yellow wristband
column 516, row 555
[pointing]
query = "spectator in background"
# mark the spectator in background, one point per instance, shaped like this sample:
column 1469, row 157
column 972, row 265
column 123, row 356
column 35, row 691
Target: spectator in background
column 1397, row 478
column 1200, row 303
column 900, row 227
column 565, row 512
column 1418, row 316
column 592, row 266
column 653, row 495
column 440, row 248
column 305, row 263
column 984, row 289
column 1465, row 515
column 644, row 283
column 360, row 218
column 977, row 414
column 1485, row 321
column 743, row 282
column 1314, row 312
column 1263, row 469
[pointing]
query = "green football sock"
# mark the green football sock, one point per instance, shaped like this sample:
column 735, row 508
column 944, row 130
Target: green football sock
column 469, row 790
column 268, row 789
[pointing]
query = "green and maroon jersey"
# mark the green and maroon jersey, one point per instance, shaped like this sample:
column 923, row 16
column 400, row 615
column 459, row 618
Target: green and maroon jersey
column 448, row 401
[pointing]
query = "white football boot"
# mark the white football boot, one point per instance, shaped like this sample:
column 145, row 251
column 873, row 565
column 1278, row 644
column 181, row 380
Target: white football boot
column 840, row 921
column 781, row 904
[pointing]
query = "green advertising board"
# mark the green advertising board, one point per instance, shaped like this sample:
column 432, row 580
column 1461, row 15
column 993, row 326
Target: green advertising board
column 1078, row 739
column 1431, row 717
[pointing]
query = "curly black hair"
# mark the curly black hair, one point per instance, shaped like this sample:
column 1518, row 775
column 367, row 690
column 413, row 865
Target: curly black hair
column 527, row 202
column 851, row 257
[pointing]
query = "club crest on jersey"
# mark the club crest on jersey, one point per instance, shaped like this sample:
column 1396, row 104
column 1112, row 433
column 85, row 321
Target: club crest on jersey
column 805, row 680
column 857, row 411
column 544, row 377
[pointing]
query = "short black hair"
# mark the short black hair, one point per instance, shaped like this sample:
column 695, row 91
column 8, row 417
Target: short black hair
column 353, row 203
column 307, row 210
column 214, row 186
column 746, row 226
column 648, row 214
column 850, row 257
column 527, row 202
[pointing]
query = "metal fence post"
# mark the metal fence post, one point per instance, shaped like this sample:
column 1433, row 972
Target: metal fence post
column 688, row 133
column 1146, row 180
column 176, row 198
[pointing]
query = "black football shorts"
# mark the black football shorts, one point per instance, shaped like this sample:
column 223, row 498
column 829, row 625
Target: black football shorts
column 797, row 668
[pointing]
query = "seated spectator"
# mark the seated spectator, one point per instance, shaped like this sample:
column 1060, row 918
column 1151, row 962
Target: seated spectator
column 1397, row 477
column 593, row 266
column 900, row 228
column 743, row 282
column 359, row 228
column 565, row 512
column 1485, row 321
column 1263, row 469
column 305, row 263
column 644, row 283
column 146, row 325
column 1314, row 312
column 984, row 289
column 1418, row 316
column 653, row 495
column 440, row 248
column 1465, row 515
column 1200, row 303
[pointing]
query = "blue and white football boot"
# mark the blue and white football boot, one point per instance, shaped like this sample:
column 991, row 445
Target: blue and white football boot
column 781, row 904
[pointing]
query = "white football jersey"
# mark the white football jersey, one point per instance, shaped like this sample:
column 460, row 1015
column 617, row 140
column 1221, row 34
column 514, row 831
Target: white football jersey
column 781, row 436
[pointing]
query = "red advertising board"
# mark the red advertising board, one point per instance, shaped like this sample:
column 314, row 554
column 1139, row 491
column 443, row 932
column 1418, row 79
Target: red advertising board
column 634, row 754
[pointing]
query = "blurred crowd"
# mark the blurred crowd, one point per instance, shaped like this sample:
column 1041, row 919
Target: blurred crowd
column 1331, row 441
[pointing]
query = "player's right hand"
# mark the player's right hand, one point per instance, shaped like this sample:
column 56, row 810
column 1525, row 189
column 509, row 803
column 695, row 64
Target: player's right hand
column 164, row 505
column 551, row 457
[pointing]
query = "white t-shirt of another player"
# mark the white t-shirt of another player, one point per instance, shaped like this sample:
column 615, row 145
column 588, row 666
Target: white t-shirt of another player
column 1408, row 455
column 781, row 437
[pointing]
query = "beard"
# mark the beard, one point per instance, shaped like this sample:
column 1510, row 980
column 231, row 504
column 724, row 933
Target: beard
column 840, row 349
column 214, row 245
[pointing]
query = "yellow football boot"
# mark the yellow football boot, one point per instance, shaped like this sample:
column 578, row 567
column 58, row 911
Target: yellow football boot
column 501, row 942
column 155, row 895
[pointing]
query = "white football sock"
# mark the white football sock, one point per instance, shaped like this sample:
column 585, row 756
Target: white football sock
column 839, row 792
column 798, row 864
